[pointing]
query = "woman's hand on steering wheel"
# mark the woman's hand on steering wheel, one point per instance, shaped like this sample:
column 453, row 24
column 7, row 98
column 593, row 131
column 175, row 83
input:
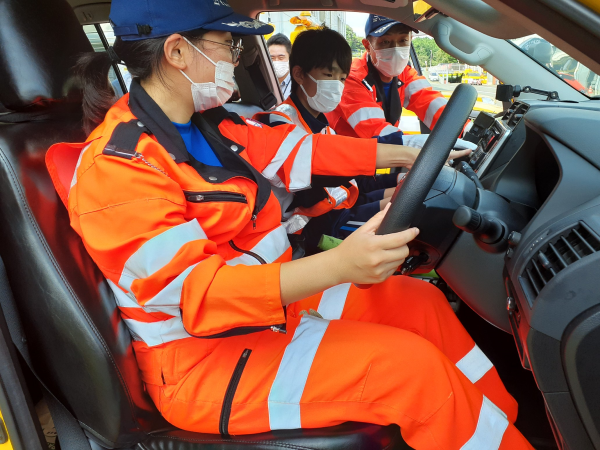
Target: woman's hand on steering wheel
column 366, row 258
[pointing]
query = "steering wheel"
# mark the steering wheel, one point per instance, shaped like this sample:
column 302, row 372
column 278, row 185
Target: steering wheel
column 411, row 193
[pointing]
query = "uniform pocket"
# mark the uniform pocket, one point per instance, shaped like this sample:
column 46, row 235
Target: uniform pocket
column 219, row 212
column 215, row 196
column 230, row 392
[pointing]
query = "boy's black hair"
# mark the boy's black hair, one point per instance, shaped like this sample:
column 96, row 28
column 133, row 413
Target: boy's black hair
column 319, row 49
column 280, row 39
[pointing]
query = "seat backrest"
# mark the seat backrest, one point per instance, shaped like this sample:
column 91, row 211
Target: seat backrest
column 78, row 343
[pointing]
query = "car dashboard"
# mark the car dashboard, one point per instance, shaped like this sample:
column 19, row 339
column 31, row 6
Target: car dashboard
column 543, row 157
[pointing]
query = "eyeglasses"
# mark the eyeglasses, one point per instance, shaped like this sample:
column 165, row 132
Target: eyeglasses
column 235, row 48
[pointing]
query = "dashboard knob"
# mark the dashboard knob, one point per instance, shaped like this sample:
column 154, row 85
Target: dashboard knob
column 486, row 228
column 467, row 219
column 514, row 238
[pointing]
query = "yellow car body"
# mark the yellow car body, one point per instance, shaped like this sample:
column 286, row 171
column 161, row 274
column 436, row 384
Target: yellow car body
column 7, row 445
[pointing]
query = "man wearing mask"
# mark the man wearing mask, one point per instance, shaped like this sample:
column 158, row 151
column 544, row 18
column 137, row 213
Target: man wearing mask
column 381, row 83
column 280, row 49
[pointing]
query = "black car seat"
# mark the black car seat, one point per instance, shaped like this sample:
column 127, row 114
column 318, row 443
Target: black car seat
column 78, row 344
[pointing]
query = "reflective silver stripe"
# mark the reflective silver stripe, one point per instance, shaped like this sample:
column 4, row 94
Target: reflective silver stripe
column 474, row 364
column 295, row 223
column 491, row 426
column 412, row 87
column 365, row 114
column 156, row 333
column 333, row 300
column 123, row 300
column 74, row 179
column 166, row 301
column 291, row 113
column 339, row 195
column 300, row 174
column 280, row 118
column 170, row 296
column 433, row 108
column 269, row 248
column 157, row 252
column 389, row 129
column 286, row 147
column 288, row 386
column 276, row 181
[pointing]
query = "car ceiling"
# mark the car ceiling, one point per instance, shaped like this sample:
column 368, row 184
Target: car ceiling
column 568, row 24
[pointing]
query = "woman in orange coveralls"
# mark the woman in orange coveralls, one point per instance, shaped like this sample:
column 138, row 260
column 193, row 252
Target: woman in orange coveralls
column 176, row 208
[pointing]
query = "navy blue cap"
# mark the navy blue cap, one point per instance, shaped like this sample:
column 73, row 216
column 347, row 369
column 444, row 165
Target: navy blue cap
column 379, row 25
column 134, row 20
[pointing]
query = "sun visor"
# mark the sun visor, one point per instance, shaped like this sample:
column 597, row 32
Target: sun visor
column 480, row 16
column 39, row 45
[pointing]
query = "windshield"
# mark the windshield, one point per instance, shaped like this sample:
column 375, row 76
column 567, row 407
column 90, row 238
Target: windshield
column 568, row 69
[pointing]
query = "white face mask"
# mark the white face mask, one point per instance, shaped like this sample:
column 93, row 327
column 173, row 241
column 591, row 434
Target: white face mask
column 392, row 61
column 212, row 94
column 281, row 68
column 328, row 96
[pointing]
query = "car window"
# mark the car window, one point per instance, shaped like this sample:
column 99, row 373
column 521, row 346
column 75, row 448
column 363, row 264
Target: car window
column 100, row 36
column 561, row 65
column 444, row 73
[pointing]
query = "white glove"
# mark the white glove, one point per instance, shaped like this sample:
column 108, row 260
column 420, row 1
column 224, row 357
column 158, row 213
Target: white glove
column 418, row 141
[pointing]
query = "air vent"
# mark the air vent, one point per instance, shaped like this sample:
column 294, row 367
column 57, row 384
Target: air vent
column 511, row 110
column 517, row 114
column 560, row 252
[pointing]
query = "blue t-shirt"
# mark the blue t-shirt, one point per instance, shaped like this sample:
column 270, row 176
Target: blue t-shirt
column 386, row 89
column 196, row 144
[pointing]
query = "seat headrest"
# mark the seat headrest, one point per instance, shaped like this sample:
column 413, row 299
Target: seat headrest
column 39, row 45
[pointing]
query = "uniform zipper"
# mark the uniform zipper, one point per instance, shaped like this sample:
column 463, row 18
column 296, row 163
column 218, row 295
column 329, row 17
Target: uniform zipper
column 230, row 392
column 241, row 331
column 247, row 252
column 204, row 197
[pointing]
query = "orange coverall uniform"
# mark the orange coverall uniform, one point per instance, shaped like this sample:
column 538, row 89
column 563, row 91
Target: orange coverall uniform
column 192, row 254
column 360, row 113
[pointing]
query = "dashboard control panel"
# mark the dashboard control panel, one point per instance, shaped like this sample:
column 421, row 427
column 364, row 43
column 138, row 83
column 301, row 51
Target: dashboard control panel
column 490, row 133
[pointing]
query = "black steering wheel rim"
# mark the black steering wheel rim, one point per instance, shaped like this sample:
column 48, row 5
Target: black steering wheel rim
column 419, row 180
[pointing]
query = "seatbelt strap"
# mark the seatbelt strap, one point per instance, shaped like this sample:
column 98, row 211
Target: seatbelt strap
column 70, row 433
